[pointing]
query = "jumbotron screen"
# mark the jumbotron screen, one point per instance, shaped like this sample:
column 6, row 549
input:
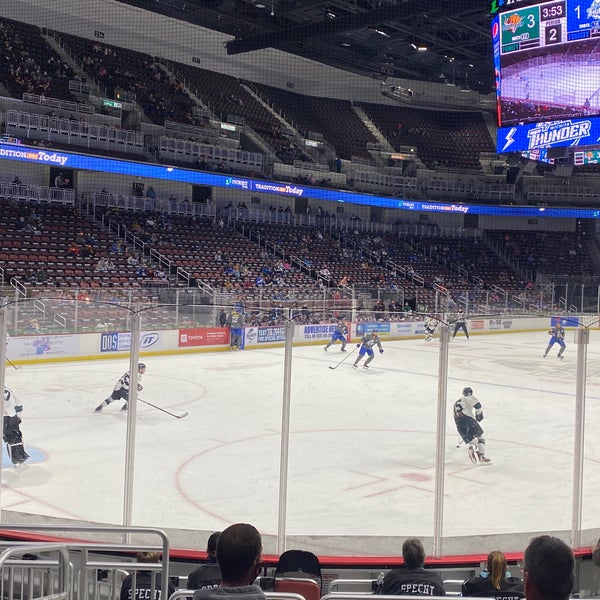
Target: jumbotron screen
column 547, row 64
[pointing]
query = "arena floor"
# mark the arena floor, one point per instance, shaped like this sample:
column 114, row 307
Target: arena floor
column 361, row 454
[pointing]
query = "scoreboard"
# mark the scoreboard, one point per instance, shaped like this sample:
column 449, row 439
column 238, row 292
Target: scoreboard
column 547, row 68
column 548, row 23
column 587, row 157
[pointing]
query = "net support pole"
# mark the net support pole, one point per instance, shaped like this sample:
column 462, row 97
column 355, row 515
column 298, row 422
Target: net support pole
column 440, row 441
column 583, row 337
column 134, row 355
column 3, row 330
column 285, row 435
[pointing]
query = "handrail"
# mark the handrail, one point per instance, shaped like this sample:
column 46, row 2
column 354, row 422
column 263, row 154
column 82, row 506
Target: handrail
column 65, row 569
column 97, row 546
column 334, row 585
column 60, row 320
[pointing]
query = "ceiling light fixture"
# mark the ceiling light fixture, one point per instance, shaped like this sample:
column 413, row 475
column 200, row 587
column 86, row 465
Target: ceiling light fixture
column 378, row 31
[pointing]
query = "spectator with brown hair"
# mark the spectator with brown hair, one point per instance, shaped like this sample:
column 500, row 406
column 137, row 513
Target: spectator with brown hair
column 494, row 582
column 239, row 554
column 145, row 581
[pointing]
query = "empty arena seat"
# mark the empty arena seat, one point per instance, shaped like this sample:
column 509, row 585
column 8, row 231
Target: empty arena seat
column 295, row 562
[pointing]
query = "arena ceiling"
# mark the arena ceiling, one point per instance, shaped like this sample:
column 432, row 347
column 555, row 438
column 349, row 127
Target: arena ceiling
column 430, row 40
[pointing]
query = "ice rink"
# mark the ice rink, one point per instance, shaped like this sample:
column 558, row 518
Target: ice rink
column 361, row 453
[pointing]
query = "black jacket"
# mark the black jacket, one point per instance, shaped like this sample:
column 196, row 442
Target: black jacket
column 511, row 588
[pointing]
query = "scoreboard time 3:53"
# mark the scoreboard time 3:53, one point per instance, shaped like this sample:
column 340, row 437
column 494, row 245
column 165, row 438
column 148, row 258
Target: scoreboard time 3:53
column 548, row 23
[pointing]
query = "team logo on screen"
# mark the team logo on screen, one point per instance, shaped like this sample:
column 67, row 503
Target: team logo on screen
column 512, row 22
column 593, row 12
column 557, row 132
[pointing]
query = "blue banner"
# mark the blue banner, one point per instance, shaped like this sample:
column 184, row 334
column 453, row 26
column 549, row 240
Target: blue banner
column 551, row 134
column 144, row 170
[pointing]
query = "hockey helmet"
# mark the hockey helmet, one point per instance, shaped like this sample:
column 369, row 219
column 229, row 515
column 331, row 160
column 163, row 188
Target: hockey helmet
column 467, row 391
column 141, row 366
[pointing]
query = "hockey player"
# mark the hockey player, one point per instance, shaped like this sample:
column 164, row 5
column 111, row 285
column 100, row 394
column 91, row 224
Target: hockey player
column 236, row 323
column 340, row 333
column 467, row 416
column 11, row 433
column 460, row 323
column 121, row 390
column 430, row 324
column 558, row 337
column 366, row 347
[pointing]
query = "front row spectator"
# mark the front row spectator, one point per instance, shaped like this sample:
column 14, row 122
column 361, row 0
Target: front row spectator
column 239, row 554
column 145, row 581
column 412, row 579
column 549, row 569
column 495, row 581
column 208, row 575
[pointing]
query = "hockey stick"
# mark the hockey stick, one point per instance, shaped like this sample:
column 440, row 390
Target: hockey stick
column 333, row 368
column 12, row 364
column 181, row 416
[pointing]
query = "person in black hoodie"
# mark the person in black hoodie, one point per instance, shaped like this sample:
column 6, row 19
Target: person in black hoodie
column 145, row 581
column 207, row 575
column 495, row 582
column 412, row 579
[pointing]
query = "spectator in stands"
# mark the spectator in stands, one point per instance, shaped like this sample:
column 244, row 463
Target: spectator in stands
column 239, row 554
column 412, row 579
column 59, row 180
column 378, row 309
column 325, row 274
column 495, row 581
column 144, row 581
column 150, row 193
column 222, row 321
column 208, row 575
column 33, row 326
column 549, row 569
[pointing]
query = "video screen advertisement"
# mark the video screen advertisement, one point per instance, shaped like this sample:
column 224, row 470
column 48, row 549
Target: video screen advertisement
column 547, row 67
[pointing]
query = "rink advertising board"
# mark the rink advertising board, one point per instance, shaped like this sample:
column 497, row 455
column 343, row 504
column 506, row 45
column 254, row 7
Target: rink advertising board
column 565, row 321
column 210, row 336
column 315, row 332
column 379, row 327
column 477, row 324
column 115, row 341
column 546, row 60
column 263, row 335
column 270, row 334
column 496, row 324
column 46, row 346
